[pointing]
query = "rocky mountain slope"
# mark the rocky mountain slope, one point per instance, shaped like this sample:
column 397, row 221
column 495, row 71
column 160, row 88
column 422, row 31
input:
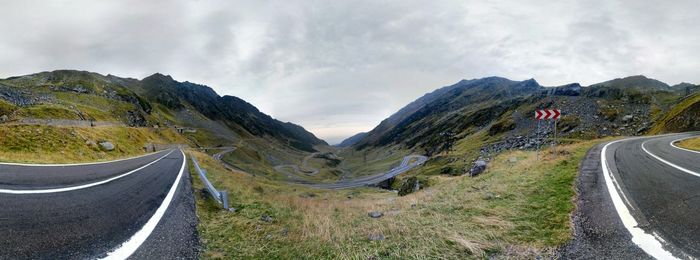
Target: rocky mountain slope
column 352, row 140
column 503, row 110
column 233, row 111
column 685, row 116
column 79, row 97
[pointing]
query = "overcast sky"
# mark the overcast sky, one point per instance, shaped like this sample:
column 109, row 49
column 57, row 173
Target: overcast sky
column 340, row 67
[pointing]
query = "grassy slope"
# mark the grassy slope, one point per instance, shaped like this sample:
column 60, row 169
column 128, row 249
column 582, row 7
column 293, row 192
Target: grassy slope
column 516, row 209
column 693, row 143
column 371, row 161
column 259, row 155
column 49, row 144
column 662, row 125
column 66, row 105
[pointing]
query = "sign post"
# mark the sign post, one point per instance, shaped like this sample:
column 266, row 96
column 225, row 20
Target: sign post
column 547, row 114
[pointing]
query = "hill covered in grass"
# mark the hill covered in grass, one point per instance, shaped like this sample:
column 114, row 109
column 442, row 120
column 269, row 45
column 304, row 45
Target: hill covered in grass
column 627, row 106
column 685, row 116
column 66, row 97
column 479, row 118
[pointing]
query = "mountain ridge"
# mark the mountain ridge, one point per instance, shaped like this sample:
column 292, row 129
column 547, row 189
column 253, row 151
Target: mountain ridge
column 154, row 100
column 495, row 101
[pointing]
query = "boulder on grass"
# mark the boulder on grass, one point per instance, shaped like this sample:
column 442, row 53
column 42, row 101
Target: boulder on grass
column 478, row 168
column 107, row 146
column 375, row 214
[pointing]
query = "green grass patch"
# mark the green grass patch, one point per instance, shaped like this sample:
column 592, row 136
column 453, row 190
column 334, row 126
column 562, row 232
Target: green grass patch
column 49, row 111
column 517, row 209
column 667, row 122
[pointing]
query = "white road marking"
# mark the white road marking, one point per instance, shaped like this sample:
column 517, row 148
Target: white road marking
column 673, row 143
column 127, row 248
column 72, row 188
column 647, row 242
column 75, row 164
column 669, row 163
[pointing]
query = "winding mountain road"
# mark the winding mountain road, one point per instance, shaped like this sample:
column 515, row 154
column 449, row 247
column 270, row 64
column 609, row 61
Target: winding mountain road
column 639, row 198
column 138, row 208
column 405, row 166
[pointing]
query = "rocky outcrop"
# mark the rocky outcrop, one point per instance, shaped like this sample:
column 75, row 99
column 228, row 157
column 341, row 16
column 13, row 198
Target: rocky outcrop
column 478, row 167
column 22, row 98
column 409, row 185
column 134, row 118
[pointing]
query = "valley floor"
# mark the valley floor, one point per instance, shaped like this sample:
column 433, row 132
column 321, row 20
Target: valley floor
column 520, row 207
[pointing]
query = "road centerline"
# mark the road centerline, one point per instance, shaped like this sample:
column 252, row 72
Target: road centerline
column 667, row 162
column 83, row 186
column 647, row 242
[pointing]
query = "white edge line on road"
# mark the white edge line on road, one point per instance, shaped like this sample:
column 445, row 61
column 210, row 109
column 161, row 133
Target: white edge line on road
column 127, row 248
column 669, row 163
column 72, row 188
column 75, row 164
column 673, row 143
column 647, row 242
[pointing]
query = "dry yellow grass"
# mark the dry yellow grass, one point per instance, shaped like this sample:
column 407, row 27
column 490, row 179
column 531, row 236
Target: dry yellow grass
column 50, row 144
column 515, row 210
column 693, row 144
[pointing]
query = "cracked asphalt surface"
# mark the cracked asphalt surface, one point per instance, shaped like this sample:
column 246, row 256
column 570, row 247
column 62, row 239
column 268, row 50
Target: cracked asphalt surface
column 88, row 223
column 663, row 199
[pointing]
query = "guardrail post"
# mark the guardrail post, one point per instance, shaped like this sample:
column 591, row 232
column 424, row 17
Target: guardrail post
column 224, row 198
column 219, row 196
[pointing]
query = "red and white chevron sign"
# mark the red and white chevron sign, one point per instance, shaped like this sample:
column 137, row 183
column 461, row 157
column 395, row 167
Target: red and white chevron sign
column 547, row 114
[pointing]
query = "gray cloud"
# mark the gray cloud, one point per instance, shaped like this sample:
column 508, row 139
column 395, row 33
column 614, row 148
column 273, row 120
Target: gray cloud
column 338, row 67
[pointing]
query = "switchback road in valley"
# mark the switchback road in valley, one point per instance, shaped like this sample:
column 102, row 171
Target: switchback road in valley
column 638, row 198
column 405, row 166
column 138, row 208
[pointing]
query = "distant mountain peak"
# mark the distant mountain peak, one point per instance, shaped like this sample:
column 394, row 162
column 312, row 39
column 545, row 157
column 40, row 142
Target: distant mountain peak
column 159, row 76
column 640, row 76
column 352, row 140
column 640, row 82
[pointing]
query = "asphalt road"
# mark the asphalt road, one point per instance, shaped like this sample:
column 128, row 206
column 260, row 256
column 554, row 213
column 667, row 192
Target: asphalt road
column 405, row 166
column 27, row 176
column 638, row 198
column 218, row 156
column 303, row 170
column 141, row 208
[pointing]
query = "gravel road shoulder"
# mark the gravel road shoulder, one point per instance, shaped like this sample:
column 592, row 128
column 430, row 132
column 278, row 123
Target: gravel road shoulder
column 598, row 230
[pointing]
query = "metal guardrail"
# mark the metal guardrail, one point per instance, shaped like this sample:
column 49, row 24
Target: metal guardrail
column 219, row 195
